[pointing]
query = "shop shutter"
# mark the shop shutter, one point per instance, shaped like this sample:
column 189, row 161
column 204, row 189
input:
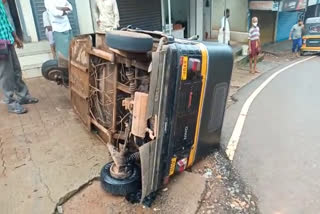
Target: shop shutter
column 140, row 13
column 38, row 8
column 285, row 22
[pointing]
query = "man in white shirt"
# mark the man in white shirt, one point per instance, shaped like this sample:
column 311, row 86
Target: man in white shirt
column 48, row 28
column 224, row 32
column 62, row 32
column 106, row 15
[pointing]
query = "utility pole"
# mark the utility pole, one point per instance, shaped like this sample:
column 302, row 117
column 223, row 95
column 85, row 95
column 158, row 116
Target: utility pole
column 225, row 22
column 169, row 14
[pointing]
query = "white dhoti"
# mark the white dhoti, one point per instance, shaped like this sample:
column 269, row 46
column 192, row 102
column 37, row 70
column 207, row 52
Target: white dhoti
column 221, row 37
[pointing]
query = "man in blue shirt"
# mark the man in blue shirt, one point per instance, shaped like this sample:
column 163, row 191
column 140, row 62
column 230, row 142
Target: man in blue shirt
column 11, row 81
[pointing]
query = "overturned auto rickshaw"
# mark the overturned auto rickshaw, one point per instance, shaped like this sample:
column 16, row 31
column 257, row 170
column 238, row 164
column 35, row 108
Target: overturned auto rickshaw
column 157, row 102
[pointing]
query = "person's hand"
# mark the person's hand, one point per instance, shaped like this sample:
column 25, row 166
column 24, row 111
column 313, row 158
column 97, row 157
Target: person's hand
column 249, row 50
column 18, row 42
column 115, row 26
column 64, row 9
column 259, row 49
column 98, row 22
column 49, row 28
column 289, row 38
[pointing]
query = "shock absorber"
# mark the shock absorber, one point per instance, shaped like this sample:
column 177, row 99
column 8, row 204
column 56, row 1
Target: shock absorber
column 132, row 83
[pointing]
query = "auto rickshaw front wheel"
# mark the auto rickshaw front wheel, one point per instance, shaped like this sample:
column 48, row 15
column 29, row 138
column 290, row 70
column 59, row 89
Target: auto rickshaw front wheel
column 120, row 187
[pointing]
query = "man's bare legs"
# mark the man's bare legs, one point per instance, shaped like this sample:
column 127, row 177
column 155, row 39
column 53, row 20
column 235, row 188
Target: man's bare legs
column 250, row 61
column 53, row 51
column 253, row 60
column 255, row 64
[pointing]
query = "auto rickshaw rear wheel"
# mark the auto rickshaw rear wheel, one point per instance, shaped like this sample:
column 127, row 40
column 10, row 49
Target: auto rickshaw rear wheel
column 117, row 186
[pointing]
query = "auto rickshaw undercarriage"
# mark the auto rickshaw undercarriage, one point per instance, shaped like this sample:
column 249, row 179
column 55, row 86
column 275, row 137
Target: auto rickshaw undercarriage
column 157, row 102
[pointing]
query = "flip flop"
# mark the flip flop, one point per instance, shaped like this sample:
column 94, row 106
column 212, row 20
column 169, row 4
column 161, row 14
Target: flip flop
column 16, row 108
column 28, row 100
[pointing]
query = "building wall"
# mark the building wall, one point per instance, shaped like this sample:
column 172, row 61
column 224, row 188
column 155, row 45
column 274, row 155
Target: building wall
column 239, row 14
column 84, row 17
column 27, row 15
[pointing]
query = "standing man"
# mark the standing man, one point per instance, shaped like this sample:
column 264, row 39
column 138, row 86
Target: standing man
column 48, row 28
column 296, row 37
column 224, row 32
column 58, row 11
column 106, row 15
column 10, row 70
column 254, row 44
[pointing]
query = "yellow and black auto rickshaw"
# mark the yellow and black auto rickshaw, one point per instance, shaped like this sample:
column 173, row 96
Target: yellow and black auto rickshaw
column 311, row 38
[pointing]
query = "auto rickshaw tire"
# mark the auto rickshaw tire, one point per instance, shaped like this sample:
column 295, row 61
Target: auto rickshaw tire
column 302, row 53
column 129, row 41
column 48, row 66
column 120, row 187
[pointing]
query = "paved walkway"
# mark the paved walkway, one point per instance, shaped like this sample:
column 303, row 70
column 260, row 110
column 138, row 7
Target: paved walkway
column 45, row 154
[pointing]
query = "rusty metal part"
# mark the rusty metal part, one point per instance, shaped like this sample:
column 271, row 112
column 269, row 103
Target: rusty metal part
column 128, row 103
column 139, row 114
column 151, row 133
column 163, row 40
column 120, row 172
column 120, row 167
column 131, row 77
column 134, row 157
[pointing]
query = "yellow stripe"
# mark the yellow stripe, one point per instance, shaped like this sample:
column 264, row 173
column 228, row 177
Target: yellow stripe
column 184, row 73
column 173, row 166
column 204, row 70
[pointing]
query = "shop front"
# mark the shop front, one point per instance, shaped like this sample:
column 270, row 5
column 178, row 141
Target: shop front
column 187, row 18
column 266, row 11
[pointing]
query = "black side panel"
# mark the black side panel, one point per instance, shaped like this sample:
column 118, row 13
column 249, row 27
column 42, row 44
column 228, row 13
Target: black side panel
column 181, row 105
column 140, row 13
column 220, row 64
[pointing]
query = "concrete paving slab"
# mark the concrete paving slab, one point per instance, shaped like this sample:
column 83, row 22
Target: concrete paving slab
column 45, row 155
column 181, row 197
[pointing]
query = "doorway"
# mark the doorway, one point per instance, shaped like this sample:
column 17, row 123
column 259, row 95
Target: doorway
column 267, row 22
column 38, row 8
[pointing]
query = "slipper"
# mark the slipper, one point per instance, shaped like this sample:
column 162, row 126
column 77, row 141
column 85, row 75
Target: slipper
column 28, row 100
column 257, row 72
column 16, row 108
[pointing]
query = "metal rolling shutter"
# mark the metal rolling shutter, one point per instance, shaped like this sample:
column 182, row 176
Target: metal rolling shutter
column 38, row 8
column 140, row 13
column 285, row 22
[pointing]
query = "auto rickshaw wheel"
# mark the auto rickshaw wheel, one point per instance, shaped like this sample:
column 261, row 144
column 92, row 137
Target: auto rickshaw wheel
column 51, row 71
column 129, row 41
column 120, row 187
column 302, row 53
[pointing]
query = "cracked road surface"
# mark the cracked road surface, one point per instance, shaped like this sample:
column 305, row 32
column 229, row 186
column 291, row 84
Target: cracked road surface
column 45, row 155
column 278, row 153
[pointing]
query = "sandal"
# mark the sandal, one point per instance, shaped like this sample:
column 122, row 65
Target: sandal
column 28, row 100
column 16, row 108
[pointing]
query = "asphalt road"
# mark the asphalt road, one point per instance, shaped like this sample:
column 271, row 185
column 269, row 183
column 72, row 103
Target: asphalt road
column 278, row 155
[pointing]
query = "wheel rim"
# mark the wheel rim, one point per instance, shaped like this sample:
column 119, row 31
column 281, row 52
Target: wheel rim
column 117, row 173
column 54, row 75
